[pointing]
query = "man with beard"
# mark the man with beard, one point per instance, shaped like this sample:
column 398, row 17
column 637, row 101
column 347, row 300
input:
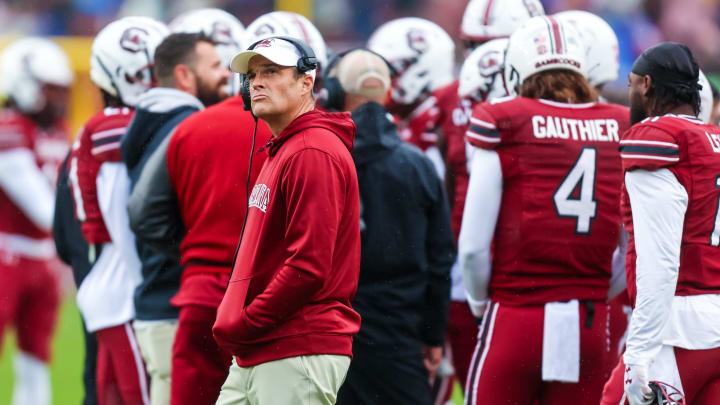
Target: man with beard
column 190, row 75
column 671, row 162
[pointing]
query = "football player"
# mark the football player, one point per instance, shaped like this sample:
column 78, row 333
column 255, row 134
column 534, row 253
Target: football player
column 540, row 225
column 485, row 20
column 222, row 27
column 36, row 76
column 423, row 57
column 121, row 66
column 671, row 162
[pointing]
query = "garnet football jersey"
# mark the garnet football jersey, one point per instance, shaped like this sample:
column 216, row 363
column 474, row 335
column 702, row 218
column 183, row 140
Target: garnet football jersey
column 690, row 149
column 454, row 115
column 98, row 142
column 418, row 129
column 559, row 220
column 48, row 145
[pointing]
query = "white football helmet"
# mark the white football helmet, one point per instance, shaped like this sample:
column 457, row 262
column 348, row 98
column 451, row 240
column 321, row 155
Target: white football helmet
column 484, row 20
column 287, row 24
column 706, row 99
column 122, row 56
column 224, row 29
column 601, row 45
column 27, row 64
column 481, row 75
column 422, row 54
column 543, row 43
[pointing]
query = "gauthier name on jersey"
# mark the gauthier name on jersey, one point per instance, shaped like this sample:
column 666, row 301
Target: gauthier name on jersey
column 602, row 130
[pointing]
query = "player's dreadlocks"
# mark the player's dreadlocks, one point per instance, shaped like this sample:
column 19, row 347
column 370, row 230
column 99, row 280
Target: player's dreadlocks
column 664, row 97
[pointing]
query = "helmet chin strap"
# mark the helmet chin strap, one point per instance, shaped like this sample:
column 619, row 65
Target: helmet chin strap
column 112, row 82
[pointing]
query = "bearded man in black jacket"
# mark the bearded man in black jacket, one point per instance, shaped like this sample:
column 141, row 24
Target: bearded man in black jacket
column 407, row 247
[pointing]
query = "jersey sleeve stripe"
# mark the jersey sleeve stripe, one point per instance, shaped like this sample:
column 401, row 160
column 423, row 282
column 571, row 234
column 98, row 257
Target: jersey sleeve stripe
column 484, row 131
column 651, row 150
column 482, row 123
column 483, row 138
column 104, row 148
column 108, row 133
column 652, row 143
column 106, row 140
column 650, row 157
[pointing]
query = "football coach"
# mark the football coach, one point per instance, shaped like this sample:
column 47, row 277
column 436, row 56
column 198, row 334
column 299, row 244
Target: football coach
column 286, row 315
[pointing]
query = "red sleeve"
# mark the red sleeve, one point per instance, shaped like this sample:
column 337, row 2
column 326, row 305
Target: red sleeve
column 314, row 187
column 106, row 141
column 648, row 147
column 482, row 131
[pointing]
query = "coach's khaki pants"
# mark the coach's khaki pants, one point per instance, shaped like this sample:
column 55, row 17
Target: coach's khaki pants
column 156, row 342
column 301, row 380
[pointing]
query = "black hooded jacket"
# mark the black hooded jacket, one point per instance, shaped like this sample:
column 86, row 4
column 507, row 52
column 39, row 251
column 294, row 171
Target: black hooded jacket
column 69, row 241
column 159, row 111
column 407, row 243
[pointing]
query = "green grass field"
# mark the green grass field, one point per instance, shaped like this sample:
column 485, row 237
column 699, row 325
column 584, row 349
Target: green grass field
column 68, row 356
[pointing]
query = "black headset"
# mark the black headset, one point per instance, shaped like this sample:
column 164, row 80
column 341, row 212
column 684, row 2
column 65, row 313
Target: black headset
column 305, row 63
column 333, row 98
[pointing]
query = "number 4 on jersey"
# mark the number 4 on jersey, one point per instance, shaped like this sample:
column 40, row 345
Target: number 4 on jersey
column 583, row 206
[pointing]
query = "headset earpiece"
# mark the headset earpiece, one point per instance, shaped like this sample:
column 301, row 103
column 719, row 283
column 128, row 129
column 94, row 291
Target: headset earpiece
column 334, row 99
column 245, row 93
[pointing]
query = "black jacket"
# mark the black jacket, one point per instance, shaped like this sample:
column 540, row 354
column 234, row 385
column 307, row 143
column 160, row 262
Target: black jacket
column 153, row 206
column 69, row 241
column 159, row 111
column 407, row 243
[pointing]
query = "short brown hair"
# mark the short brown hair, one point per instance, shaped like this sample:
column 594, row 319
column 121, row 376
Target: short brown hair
column 560, row 85
column 176, row 49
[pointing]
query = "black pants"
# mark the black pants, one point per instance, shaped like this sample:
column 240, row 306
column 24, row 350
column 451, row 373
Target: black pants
column 379, row 379
column 89, row 368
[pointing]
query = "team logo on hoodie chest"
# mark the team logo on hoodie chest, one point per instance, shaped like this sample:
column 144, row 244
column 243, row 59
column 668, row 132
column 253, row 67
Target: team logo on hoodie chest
column 260, row 197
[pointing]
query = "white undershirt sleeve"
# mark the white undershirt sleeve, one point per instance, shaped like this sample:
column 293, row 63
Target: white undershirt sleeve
column 113, row 188
column 658, row 204
column 618, row 281
column 26, row 185
column 480, row 216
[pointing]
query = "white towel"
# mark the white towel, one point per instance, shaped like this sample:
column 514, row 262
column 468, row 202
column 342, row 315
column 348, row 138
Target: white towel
column 561, row 342
column 664, row 368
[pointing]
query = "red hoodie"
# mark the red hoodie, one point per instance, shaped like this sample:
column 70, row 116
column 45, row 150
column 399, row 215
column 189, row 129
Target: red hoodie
column 298, row 266
column 207, row 160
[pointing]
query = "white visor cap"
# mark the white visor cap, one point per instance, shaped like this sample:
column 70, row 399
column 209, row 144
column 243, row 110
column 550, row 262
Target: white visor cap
column 278, row 51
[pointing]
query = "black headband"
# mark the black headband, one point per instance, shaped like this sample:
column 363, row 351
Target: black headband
column 669, row 64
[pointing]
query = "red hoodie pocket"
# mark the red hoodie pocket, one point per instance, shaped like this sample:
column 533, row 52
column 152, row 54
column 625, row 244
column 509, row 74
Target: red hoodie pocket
column 228, row 322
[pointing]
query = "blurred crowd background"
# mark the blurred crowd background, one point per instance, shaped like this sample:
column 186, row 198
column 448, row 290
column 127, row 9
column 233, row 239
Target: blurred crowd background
column 638, row 23
column 345, row 23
